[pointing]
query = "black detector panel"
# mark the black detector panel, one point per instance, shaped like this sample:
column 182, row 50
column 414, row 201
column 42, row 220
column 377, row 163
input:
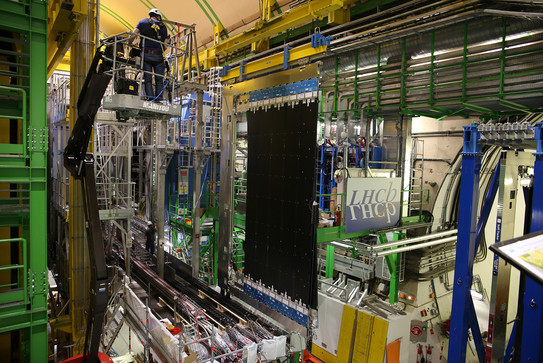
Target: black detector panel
column 280, row 244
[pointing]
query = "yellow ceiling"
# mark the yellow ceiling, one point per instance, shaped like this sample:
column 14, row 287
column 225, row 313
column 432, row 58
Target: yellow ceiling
column 117, row 16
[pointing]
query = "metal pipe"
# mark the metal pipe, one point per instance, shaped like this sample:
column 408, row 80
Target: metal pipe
column 416, row 247
column 518, row 14
column 413, row 240
column 438, row 133
column 353, row 294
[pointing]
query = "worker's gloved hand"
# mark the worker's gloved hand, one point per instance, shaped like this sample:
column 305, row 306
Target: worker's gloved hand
column 126, row 51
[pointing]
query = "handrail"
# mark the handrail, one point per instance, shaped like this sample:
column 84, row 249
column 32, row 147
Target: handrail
column 21, row 149
column 23, row 267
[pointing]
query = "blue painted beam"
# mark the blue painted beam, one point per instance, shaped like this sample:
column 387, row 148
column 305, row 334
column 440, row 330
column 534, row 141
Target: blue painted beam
column 487, row 205
column 532, row 320
column 462, row 315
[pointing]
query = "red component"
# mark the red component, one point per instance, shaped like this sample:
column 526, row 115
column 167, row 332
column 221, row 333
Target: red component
column 102, row 357
column 338, row 218
column 419, row 353
column 308, row 357
column 489, row 338
column 175, row 331
column 447, row 327
column 416, row 331
column 429, row 354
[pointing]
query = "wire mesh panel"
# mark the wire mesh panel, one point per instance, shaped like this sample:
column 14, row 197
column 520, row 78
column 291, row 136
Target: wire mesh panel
column 280, row 245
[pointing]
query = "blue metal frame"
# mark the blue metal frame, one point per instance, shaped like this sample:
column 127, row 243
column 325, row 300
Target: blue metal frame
column 463, row 312
column 487, row 205
column 326, row 180
column 532, row 319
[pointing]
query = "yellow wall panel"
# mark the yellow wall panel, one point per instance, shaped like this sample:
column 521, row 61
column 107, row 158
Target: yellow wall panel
column 346, row 335
column 323, row 354
column 361, row 350
column 378, row 340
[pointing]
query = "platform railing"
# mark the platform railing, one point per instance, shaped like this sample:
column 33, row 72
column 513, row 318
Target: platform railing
column 19, row 149
column 16, row 291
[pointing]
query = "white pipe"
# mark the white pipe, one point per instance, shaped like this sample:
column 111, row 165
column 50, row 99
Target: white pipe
column 416, row 247
column 413, row 240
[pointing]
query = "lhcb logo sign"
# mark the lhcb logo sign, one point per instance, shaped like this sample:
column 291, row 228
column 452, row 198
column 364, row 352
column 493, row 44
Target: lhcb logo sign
column 372, row 203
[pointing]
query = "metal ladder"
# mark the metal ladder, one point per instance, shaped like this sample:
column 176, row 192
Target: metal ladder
column 212, row 131
column 416, row 192
column 114, row 321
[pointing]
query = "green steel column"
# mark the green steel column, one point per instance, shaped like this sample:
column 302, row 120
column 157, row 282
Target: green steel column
column 356, row 81
column 403, row 91
column 175, row 238
column 336, row 88
column 330, row 251
column 392, row 263
column 38, row 181
column 378, row 82
column 465, row 62
column 502, row 57
column 28, row 22
column 432, row 65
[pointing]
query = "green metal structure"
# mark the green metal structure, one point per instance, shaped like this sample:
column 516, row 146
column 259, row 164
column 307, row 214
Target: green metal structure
column 23, row 181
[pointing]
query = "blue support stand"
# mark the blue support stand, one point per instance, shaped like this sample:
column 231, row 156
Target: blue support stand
column 532, row 320
column 286, row 56
column 463, row 312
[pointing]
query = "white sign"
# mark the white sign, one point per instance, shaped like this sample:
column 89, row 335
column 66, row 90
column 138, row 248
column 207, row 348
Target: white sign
column 183, row 181
column 372, row 203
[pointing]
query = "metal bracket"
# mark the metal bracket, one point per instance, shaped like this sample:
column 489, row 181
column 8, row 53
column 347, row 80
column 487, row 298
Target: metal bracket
column 37, row 282
column 318, row 40
column 539, row 138
column 286, row 56
column 224, row 71
column 38, row 139
column 471, row 140
column 241, row 70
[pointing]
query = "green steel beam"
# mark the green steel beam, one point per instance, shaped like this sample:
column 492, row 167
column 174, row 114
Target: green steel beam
column 393, row 263
column 330, row 251
column 29, row 314
column 473, row 107
column 514, row 106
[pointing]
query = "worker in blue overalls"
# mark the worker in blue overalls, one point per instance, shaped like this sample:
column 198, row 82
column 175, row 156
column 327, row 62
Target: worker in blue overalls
column 153, row 58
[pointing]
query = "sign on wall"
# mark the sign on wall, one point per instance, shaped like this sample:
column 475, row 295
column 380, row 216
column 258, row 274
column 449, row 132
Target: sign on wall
column 372, row 203
column 183, row 180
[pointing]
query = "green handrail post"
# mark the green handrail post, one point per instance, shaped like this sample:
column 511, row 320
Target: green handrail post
column 393, row 267
column 330, row 251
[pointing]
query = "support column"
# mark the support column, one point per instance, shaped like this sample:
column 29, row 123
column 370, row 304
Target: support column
column 197, row 184
column 82, row 52
column 160, row 219
column 463, row 313
column 226, row 193
column 532, row 319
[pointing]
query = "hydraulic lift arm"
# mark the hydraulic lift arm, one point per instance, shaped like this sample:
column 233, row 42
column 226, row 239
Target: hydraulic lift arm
column 81, row 165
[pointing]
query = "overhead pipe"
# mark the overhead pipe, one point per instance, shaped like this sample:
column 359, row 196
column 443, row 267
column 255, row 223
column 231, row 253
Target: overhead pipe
column 416, row 247
column 382, row 246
